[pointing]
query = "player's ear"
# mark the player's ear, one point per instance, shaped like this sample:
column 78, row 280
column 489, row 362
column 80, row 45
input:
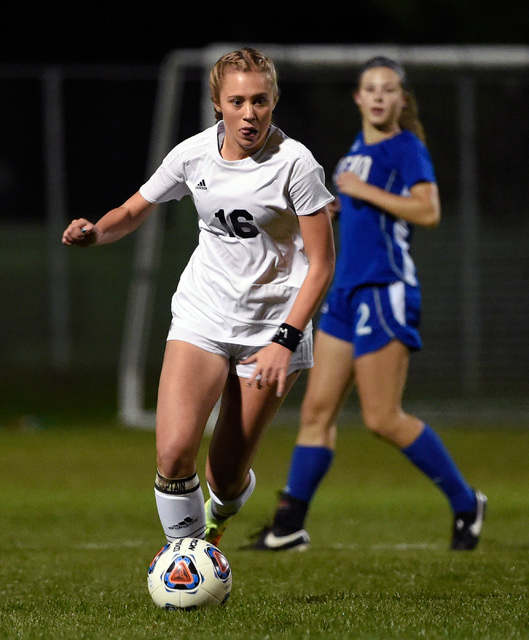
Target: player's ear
column 405, row 99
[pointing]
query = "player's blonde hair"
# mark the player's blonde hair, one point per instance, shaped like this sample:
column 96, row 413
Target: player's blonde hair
column 409, row 117
column 245, row 59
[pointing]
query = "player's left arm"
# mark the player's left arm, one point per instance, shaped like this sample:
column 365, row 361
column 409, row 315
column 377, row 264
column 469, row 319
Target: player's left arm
column 272, row 361
column 316, row 231
column 421, row 207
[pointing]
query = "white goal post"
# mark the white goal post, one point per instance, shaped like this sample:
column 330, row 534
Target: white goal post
column 132, row 365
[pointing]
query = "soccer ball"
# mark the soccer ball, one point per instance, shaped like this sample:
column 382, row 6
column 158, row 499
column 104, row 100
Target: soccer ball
column 189, row 573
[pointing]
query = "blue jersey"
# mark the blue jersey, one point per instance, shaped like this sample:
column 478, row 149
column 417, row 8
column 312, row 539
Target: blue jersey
column 374, row 245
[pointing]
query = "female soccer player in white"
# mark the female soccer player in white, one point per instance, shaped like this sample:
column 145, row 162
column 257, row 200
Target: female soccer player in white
column 241, row 314
column 370, row 321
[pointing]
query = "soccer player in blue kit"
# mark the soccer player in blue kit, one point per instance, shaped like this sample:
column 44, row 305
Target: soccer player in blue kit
column 369, row 323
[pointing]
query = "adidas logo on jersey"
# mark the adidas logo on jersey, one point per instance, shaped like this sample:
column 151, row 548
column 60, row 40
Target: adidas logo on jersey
column 202, row 185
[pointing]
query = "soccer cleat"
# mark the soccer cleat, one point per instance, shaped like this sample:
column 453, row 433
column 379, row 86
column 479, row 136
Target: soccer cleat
column 214, row 528
column 267, row 540
column 468, row 524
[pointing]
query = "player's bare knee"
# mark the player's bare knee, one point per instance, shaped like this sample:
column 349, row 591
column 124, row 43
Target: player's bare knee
column 380, row 424
column 315, row 419
column 175, row 465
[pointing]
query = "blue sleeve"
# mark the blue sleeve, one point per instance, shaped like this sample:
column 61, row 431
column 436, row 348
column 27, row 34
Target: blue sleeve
column 416, row 164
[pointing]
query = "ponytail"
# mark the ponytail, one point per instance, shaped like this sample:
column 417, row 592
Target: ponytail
column 409, row 118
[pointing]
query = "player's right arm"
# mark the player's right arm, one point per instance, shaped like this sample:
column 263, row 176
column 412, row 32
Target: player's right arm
column 114, row 225
column 421, row 206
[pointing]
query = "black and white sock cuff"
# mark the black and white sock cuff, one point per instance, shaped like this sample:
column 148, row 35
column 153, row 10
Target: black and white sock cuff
column 178, row 486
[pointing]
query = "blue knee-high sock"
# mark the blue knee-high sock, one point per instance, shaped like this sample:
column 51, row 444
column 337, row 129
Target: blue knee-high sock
column 308, row 465
column 429, row 454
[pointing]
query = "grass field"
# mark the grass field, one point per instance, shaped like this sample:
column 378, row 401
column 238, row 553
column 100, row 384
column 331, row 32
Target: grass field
column 79, row 528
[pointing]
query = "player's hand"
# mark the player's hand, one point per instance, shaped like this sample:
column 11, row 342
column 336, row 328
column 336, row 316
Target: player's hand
column 271, row 367
column 350, row 184
column 80, row 232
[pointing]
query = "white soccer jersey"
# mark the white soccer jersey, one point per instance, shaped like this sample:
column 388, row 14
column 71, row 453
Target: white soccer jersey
column 250, row 261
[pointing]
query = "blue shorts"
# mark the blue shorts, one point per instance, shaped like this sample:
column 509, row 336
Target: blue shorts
column 370, row 317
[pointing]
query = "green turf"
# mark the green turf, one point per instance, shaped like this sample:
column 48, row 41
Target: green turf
column 79, row 528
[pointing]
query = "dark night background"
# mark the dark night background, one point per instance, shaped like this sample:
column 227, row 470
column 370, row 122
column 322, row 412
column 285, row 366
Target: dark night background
column 108, row 126
column 120, row 33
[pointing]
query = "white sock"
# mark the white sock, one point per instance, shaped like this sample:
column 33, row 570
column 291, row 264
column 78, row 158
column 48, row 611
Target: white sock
column 224, row 509
column 180, row 504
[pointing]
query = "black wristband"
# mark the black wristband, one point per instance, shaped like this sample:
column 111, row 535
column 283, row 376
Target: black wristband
column 288, row 336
